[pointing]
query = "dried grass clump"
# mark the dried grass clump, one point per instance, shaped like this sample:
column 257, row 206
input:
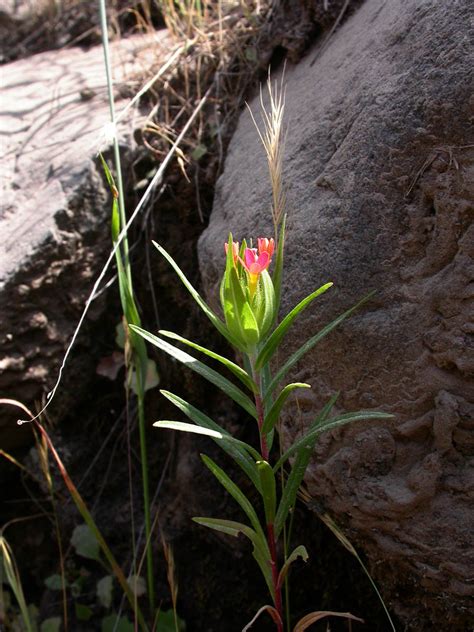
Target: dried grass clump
column 219, row 46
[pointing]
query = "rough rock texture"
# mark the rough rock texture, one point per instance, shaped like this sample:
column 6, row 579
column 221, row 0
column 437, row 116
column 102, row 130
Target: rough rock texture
column 55, row 209
column 379, row 168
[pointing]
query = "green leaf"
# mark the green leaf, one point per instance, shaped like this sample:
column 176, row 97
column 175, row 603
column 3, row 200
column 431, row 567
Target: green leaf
column 53, row 624
column 272, row 417
column 298, row 470
column 218, row 324
column 54, row 582
column 234, row 450
column 266, row 296
column 300, row 551
column 273, row 342
column 212, row 376
column 234, row 368
column 185, row 427
column 268, row 484
column 166, row 622
column 235, row 492
column 152, row 379
column 85, row 542
column 83, row 612
column 261, row 552
column 309, row 344
column 104, row 591
column 199, row 151
column 114, row 623
column 335, row 422
column 278, row 273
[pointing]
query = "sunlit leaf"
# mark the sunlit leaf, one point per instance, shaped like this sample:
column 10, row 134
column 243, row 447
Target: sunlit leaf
column 242, row 375
column 273, row 414
column 239, row 453
column 274, row 341
column 195, row 365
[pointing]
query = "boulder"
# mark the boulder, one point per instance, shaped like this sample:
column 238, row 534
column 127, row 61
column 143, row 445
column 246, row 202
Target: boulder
column 55, row 208
column 379, row 172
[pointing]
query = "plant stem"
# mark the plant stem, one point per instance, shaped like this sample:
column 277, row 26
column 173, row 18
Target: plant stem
column 146, row 494
column 270, row 528
column 276, row 586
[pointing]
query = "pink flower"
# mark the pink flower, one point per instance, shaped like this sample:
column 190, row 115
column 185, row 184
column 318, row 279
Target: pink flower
column 266, row 245
column 255, row 263
column 235, row 249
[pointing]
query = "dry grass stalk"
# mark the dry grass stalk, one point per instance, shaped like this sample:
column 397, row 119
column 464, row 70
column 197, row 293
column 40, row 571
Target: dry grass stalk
column 273, row 141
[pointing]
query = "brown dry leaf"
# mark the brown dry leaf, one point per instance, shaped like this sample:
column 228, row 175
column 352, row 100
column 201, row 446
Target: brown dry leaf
column 313, row 617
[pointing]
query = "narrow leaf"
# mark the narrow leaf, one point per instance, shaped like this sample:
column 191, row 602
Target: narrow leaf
column 268, row 484
column 218, row 324
column 193, row 429
column 236, row 494
column 260, row 551
column 239, row 453
column 300, row 551
column 272, row 417
column 271, row 611
column 298, row 470
column 309, row 344
column 278, row 273
column 313, row 617
column 272, row 344
column 234, row 368
column 212, row 376
column 336, row 422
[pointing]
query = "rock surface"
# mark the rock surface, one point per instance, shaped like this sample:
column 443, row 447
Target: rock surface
column 380, row 171
column 55, row 209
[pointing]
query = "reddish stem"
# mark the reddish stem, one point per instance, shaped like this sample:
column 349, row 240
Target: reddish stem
column 270, row 531
column 274, row 565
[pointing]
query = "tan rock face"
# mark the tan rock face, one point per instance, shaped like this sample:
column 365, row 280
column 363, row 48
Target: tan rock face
column 379, row 168
column 54, row 214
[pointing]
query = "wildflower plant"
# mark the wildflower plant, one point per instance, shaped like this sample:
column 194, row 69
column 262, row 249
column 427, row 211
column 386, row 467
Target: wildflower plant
column 250, row 293
column 249, row 298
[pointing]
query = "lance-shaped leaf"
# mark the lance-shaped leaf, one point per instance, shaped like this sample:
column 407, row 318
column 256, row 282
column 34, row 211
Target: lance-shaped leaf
column 300, row 551
column 260, row 547
column 309, row 344
column 331, row 424
column 268, row 485
column 212, row 376
column 298, row 470
column 278, row 273
column 182, row 426
column 272, row 417
column 236, row 494
column 236, row 451
column 273, row 342
column 218, row 324
column 242, row 375
column 313, row 617
column 271, row 611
